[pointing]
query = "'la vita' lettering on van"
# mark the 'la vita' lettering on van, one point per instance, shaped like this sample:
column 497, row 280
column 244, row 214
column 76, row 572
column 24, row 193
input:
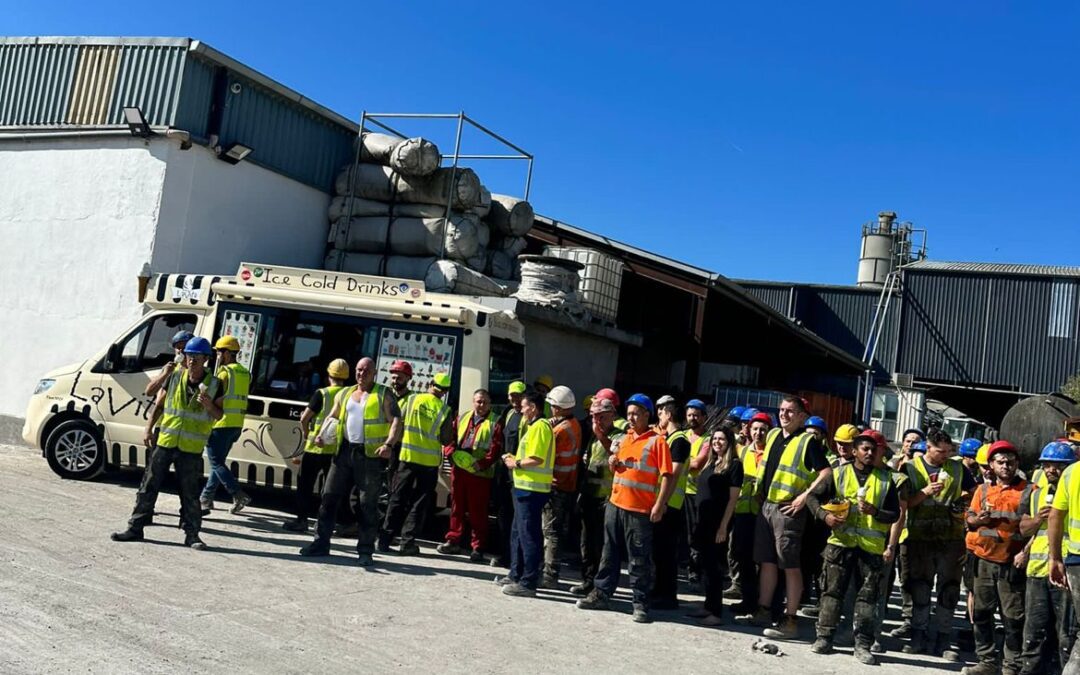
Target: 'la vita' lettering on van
column 333, row 282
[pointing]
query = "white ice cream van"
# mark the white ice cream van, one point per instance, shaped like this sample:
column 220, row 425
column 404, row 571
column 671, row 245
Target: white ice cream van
column 290, row 323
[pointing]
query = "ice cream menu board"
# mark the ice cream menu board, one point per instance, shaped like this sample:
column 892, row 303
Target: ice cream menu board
column 427, row 353
column 244, row 326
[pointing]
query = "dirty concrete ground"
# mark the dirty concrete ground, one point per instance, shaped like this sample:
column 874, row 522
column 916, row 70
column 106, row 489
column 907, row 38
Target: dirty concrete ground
column 71, row 600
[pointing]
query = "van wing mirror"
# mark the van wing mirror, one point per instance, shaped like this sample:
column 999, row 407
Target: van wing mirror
column 112, row 358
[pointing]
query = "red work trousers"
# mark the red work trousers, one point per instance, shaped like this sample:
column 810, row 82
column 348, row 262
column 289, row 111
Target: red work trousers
column 469, row 495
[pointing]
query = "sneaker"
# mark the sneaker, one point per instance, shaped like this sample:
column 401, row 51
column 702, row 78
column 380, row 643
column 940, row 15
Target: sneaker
column 193, row 542
column 786, row 629
column 477, row 556
column 239, row 501
column 129, row 534
column 712, row 620
column 596, row 599
column 581, row 590
column 518, row 591
column 863, row 656
column 410, row 549
column 641, row 615
column 877, row 648
column 315, row 550
column 503, row 581
column 447, row 548
column 917, row 644
column 903, row 631
column 365, row 560
column 822, row 646
column 295, row 525
column 549, row 583
column 732, row 593
column 761, row 618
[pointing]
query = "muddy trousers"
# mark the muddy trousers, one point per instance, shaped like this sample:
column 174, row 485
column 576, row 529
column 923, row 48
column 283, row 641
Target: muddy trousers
column 592, row 511
column 842, row 567
column 925, row 562
column 412, row 492
column 999, row 585
column 1046, row 608
column 311, row 465
column 188, row 472
column 665, row 552
column 627, row 537
column 555, row 524
column 1073, row 666
column 352, row 468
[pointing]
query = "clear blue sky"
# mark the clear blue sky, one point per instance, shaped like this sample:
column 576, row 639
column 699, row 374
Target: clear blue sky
column 750, row 139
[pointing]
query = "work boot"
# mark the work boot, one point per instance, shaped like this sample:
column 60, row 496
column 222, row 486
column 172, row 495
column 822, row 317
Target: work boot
column 811, row 611
column 917, row 644
column 761, row 618
column 877, row 648
column 518, row 591
column 409, row 549
column 901, row 632
column 239, row 501
column 641, row 614
column 206, row 504
column 822, row 645
column 596, row 599
column 315, row 550
column 448, row 548
column 863, row 656
column 943, row 648
column 477, row 556
column 130, row 534
column 982, row 668
column 581, row 590
column 295, row 525
column 549, row 583
column 193, row 542
column 383, row 545
column 786, row 629
column 365, row 560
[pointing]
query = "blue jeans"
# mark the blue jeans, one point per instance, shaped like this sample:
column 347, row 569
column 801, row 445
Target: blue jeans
column 527, row 537
column 217, row 451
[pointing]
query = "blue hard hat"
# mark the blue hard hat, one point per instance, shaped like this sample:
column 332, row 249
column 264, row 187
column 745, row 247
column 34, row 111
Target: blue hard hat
column 970, row 448
column 748, row 414
column 198, row 345
column 919, row 445
column 641, row 400
column 737, row 412
column 181, row 336
column 696, row 403
column 1056, row 451
column 816, row 422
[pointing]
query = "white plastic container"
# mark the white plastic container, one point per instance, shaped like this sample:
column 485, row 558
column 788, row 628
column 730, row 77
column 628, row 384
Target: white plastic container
column 601, row 280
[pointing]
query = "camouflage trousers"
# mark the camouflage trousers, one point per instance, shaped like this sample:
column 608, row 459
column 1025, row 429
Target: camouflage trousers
column 841, row 568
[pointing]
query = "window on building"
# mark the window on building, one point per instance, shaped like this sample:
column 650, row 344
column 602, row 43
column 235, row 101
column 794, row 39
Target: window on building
column 1062, row 302
column 883, row 412
column 149, row 346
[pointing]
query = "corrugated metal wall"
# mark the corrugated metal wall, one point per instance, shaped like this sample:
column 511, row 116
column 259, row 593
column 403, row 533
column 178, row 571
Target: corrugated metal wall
column 776, row 297
column 990, row 330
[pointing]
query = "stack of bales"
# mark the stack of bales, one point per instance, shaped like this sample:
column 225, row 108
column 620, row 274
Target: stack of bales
column 390, row 218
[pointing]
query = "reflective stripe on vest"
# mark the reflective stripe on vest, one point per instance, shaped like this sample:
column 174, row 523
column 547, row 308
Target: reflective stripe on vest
column 791, row 477
column 185, row 424
column 641, row 466
column 422, row 418
column 678, row 495
column 695, row 448
column 598, row 472
column 566, row 461
column 235, row 401
column 376, row 426
column 328, row 395
column 537, row 440
column 466, row 458
column 747, row 503
column 861, row 529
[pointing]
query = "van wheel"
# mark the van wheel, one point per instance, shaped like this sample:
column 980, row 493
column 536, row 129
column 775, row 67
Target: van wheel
column 75, row 450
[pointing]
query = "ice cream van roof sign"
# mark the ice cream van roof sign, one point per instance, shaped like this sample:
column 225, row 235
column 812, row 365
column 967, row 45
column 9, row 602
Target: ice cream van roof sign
column 355, row 285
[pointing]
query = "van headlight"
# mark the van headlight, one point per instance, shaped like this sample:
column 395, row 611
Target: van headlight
column 43, row 386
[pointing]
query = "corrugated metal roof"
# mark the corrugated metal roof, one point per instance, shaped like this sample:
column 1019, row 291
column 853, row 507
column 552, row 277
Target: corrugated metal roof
column 994, row 268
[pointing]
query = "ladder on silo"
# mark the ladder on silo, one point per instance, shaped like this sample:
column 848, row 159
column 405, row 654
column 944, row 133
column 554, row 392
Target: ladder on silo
column 881, row 313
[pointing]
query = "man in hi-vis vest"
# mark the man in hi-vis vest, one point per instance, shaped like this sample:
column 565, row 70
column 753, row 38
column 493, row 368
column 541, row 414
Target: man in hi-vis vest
column 368, row 424
column 235, row 381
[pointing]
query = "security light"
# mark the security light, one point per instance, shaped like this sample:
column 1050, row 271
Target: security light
column 137, row 122
column 235, row 153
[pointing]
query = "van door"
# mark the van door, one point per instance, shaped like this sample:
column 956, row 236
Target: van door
column 134, row 360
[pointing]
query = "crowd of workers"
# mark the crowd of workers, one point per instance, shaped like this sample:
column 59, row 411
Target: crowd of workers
column 771, row 515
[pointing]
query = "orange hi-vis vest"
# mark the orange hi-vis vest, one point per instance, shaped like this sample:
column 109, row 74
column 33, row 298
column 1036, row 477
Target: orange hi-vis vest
column 1000, row 540
column 646, row 458
column 567, row 453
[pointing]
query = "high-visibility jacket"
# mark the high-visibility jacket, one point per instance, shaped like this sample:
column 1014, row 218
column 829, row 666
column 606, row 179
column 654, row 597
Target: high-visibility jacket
column 646, row 458
column 1067, row 499
column 1039, row 555
column 792, row 478
column 537, row 440
column 466, row 458
column 185, row 423
column 692, row 474
column 937, row 518
column 1001, row 539
column 567, row 433
column 376, row 426
column 237, row 381
column 328, row 395
column 597, row 470
column 746, row 503
column 422, row 418
column 861, row 530
column 678, row 495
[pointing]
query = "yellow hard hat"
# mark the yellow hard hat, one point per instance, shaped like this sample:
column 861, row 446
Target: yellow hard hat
column 441, row 380
column 546, row 380
column 846, row 433
column 982, row 457
column 338, row 369
column 227, row 342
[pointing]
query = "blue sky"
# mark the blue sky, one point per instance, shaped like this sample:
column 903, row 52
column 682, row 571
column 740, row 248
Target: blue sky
column 752, row 139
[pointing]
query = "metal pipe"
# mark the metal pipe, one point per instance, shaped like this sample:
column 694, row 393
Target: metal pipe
column 483, row 157
column 440, row 116
column 494, row 135
column 167, row 132
column 387, row 128
column 528, row 179
column 352, row 186
column 450, row 188
column 991, row 390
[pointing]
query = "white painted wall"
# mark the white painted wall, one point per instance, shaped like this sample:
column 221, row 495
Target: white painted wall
column 582, row 362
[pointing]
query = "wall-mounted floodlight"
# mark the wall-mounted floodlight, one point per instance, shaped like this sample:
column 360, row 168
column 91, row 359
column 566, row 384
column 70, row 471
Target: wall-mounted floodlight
column 136, row 122
column 235, row 153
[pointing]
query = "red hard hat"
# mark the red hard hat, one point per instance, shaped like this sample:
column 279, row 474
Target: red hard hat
column 401, row 366
column 1000, row 446
column 608, row 394
column 878, row 437
column 762, row 417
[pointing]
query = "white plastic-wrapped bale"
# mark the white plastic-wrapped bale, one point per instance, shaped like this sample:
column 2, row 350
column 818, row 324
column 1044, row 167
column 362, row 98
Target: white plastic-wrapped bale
column 500, row 265
column 550, row 282
column 484, row 207
column 369, row 207
column 381, row 183
column 407, row 156
column 408, row 236
column 483, row 233
column 512, row 246
column 511, row 215
column 439, row 276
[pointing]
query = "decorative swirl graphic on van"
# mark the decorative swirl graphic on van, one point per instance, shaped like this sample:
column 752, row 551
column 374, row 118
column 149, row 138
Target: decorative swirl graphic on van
column 262, row 440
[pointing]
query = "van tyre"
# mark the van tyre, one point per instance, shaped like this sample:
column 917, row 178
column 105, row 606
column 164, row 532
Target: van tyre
column 75, row 450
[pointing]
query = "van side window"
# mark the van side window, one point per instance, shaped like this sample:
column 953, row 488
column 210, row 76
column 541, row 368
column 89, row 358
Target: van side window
column 149, row 348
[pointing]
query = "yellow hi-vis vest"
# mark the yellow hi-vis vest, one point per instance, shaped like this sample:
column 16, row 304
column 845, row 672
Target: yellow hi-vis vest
column 328, row 395
column 861, row 529
column 234, row 404
column 678, row 495
column 746, row 502
column 376, row 426
column 466, row 458
column 1067, row 499
column 537, row 440
column 185, row 424
column 935, row 514
column 423, row 417
column 691, row 476
column 791, row 477
column 1039, row 554
column 597, row 471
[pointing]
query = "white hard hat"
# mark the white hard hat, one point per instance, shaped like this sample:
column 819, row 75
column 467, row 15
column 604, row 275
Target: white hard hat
column 665, row 400
column 561, row 397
